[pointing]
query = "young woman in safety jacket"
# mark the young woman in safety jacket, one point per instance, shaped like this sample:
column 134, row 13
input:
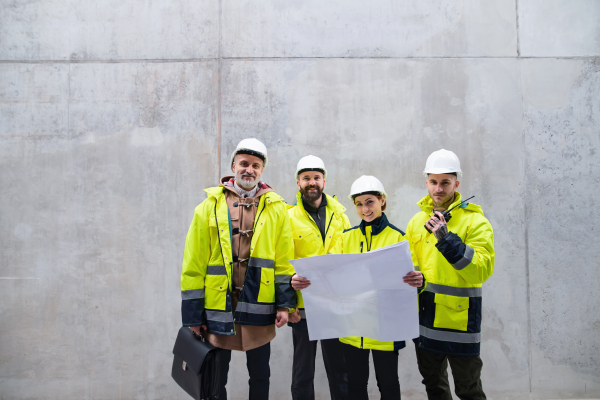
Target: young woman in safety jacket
column 374, row 232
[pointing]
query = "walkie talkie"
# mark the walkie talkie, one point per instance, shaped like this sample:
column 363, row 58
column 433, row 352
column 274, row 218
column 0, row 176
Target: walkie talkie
column 447, row 214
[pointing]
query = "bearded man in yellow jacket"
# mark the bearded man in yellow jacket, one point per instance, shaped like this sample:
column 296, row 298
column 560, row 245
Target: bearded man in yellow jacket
column 455, row 253
column 318, row 221
column 235, row 281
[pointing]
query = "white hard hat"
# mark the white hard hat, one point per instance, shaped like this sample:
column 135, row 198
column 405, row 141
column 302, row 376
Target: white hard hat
column 366, row 183
column 311, row 163
column 442, row 162
column 251, row 146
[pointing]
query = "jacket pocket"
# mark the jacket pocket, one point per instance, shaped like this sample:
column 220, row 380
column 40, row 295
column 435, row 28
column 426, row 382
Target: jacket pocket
column 304, row 241
column 215, row 292
column 416, row 245
column 266, row 293
column 451, row 312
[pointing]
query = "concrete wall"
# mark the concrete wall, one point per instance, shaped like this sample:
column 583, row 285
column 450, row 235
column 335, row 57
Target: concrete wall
column 114, row 117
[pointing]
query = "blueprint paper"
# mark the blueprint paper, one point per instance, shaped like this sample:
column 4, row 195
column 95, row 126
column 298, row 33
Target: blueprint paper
column 360, row 295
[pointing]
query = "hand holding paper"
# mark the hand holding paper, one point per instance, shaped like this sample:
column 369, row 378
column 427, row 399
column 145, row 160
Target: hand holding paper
column 361, row 294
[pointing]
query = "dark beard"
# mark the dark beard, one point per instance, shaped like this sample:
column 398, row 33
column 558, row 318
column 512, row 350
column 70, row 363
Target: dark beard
column 311, row 197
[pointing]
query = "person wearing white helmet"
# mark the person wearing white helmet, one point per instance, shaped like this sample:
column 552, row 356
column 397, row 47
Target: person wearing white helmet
column 455, row 253
column 318, row 221
column 235, row 280
column 374, row 232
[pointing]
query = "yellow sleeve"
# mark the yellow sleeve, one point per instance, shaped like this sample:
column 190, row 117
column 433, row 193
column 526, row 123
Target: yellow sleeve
column 285, row 296
column 195, row 261
column 480, row 238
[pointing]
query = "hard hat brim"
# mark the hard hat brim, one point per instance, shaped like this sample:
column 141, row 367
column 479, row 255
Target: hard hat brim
column 441, row 171
column 321, row 170
column 250, row 153
column 373, row 192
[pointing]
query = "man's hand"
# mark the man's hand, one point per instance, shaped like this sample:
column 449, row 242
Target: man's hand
column 414, row 279
column 282, row 317
column 197, row 329
column 299, row 283
column 295, row 316
column 437, row 225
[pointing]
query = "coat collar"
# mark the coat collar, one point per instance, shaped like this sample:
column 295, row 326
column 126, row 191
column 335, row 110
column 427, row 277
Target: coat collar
column 375, row 229
column 426, row 204
column 270, row 195
column 332, row 203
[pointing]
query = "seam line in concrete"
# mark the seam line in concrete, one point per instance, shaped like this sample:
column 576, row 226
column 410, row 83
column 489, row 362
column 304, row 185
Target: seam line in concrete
column 191, row 60
column 18, row 278
column 121, row 61
column 219, row 72
column 409, row 58
column 517, row 22
column 526, row 215
column 69, row 104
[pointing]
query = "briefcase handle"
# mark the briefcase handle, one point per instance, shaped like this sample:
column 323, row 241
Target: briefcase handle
column 200, row 336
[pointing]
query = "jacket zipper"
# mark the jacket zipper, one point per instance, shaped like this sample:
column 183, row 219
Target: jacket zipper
column 316, row 226
column 311, row 219
column 328, row 225
column 361, row 342
column 253, row 232
column 223, row 257
column 259, row 214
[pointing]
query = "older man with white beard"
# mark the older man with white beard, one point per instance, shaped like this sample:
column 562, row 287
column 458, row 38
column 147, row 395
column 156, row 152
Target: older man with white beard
column 235, row 282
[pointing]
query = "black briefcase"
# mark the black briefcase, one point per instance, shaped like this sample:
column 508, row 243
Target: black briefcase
column 196, row 365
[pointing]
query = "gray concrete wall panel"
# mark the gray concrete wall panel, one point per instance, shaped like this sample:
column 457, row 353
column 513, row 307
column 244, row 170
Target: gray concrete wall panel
column 91, row 30
column 34, row 100
column 92, row 233
column 554, row 28
column 369, row 29
column 114, row 117
column 150, row 98
column 562, row 142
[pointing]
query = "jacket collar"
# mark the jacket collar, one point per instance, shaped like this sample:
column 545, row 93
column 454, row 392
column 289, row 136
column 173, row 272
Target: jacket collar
column 229, row 182
column 218, row 191
column 376, row 229
column 310, row 208
column 332, row 204
column 426, row 204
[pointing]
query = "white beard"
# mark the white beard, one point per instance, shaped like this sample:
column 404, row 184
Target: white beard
column 239, row 179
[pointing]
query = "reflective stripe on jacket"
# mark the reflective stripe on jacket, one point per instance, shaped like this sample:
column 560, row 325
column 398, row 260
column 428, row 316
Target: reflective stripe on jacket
column 307, row 237
column 454, row 270
column 206, row 283
column 361, row 239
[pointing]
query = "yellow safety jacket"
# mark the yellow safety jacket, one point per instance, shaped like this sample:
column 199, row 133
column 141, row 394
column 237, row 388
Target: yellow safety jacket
column 454, row 270
column 307, row 237
column 361, row 239
column 206, row 282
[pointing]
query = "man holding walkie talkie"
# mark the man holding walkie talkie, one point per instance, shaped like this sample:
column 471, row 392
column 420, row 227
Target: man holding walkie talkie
column 452, row 244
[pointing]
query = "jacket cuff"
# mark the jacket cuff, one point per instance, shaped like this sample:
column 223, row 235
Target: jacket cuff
column 453, row 249
column 192, row 312
column 285, row 295
column 422, row 288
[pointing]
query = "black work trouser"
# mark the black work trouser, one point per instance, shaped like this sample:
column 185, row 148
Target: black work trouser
column 257, row 361
column 466, row 371
column 303, row 370
column 386, row 372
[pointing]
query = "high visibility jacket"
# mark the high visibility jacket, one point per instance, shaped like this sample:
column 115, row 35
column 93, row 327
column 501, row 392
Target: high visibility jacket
column 454, row 270
column 307, row 237
column 206, row 283
column 361, row 239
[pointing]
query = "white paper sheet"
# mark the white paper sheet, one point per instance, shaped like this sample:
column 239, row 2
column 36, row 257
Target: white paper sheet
column 360, row 295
